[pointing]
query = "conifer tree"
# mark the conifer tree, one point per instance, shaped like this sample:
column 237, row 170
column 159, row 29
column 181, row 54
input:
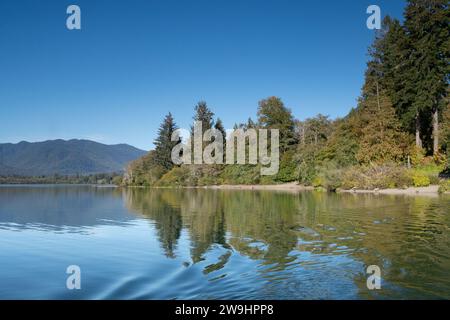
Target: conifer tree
column 427, row 26
column 219, row 126
column 205, row 115
column 163, row 143
column 393, row 50
column 382, row 140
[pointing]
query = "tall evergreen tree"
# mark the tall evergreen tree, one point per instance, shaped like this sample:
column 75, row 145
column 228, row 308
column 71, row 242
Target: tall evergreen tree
column 251, row 124
column 393, row 51
column 205, row 115
column 376, row 125
column 381, row 138
column 427, row 26
column 163, row 143
column 219, row 126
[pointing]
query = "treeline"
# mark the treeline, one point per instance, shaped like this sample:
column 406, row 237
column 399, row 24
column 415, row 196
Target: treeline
column 397, row 136
column 157, row 168
column 101, row 178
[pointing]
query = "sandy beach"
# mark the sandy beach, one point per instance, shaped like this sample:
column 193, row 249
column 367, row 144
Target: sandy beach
column 276, row 187
column 430, row 190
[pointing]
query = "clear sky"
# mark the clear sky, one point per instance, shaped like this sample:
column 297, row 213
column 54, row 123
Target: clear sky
column 133, row 61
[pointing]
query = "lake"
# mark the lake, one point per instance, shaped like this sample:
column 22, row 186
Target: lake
column 220, row 244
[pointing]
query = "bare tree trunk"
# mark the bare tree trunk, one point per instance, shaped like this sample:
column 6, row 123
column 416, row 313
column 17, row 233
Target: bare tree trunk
column 418, row 139
column 378, row 97
column 435, row 131
column 303, row 134
column 379, row 109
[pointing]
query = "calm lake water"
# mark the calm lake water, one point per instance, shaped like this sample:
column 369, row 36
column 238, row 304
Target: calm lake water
column 216, row 244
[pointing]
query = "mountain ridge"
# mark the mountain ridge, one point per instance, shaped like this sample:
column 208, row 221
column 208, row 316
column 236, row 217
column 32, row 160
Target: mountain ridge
column 65, row 157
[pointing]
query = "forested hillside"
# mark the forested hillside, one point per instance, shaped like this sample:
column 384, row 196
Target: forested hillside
column 60, row 157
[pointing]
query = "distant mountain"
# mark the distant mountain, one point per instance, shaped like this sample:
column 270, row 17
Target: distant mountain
column 65, row 157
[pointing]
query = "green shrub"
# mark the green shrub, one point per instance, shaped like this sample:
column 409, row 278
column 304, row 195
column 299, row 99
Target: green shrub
column 417, row 155
column 178, row 176
column 306, row 173
column 430, row 170
column 330, row 179
column 352, row 178
column 444, row 186
column 210, row 175
column 382, row 177
column 288, row 166
column 434, row 179
column 117, row 180
column 241, row 174
column 420, row 179
column 317, row 182
column 399, row 177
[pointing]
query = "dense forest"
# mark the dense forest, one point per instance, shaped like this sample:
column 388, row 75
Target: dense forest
column 396, row 136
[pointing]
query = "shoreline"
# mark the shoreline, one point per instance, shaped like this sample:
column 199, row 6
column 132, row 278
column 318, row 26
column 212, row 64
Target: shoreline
column 294, row 187
column 270, row 187
column 430, row 190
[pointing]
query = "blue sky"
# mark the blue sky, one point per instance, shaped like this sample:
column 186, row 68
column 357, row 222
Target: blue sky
column 133, row 61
